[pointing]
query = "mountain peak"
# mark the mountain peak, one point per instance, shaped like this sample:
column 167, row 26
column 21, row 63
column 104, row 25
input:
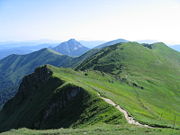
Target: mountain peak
column 72, row 40
column 71, row 47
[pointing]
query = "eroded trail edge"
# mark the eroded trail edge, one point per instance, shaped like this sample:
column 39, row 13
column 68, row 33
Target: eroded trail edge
column 129, row 119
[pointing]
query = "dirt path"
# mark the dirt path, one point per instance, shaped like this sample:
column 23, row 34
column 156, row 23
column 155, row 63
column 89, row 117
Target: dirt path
column 129, row 119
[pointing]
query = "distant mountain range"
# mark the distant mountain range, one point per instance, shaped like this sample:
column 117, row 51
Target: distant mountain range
column 71, row 48
column 91, row 44
column 22, row 48
column 15, row 44
column 111, row 43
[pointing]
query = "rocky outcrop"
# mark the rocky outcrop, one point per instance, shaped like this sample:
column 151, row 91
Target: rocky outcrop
column 34, row 80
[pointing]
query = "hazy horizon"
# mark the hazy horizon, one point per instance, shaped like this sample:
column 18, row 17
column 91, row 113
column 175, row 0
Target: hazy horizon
column 87, row 43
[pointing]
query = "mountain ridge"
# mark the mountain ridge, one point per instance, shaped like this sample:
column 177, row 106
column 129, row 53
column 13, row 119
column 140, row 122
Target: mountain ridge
column 150, row 69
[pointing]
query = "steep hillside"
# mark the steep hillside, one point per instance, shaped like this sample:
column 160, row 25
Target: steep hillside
column 14, row 67
column 153, row 71
column 71, row 48
column 47, row 100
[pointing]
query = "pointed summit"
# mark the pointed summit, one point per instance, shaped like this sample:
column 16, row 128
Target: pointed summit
column 72, row 40
column 71, row 47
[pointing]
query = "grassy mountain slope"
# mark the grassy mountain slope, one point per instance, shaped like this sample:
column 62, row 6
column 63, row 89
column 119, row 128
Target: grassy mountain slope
column 152, row 71
column 103, row 129
column 14, row 67
column 48, row 100
column 143, row 79
column 69, row 99
column 63, row 83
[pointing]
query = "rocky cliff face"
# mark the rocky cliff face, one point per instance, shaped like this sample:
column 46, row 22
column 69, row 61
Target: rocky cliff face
column 31, row 82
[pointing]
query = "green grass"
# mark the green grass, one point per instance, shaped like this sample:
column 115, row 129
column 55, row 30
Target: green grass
column 153, row 76
column 94, row 110
column 14, row 67
column 102, row 129
column 150, row 105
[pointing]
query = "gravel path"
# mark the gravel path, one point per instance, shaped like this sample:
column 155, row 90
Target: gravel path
column 129, row 119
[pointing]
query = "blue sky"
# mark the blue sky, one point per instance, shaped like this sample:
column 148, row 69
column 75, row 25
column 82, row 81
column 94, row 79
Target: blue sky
column 90, row 20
